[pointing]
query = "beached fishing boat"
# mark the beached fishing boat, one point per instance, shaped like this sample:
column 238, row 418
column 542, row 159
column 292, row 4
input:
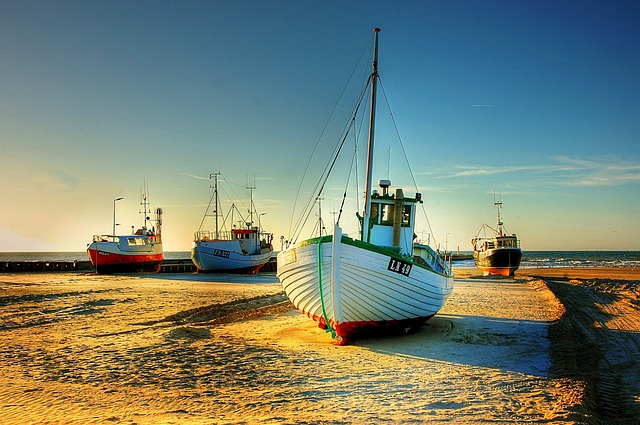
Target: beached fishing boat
column 139, row 251
column 239, row 250
column 496, row 252
column 379, row 282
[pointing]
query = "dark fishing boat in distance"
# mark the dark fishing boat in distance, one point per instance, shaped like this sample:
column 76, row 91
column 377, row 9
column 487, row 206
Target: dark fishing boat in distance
column 496, row 252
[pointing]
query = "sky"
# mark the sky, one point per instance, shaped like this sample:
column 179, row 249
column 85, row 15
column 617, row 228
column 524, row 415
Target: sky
column 534, row 103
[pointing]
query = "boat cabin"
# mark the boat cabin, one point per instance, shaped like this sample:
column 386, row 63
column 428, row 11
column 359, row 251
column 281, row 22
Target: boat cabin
column 483, row 244
column 392, row 219
column 506, row 241
column 250, row 241
column 128, row 243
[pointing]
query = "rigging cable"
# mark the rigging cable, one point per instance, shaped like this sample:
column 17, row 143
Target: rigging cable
column 354, row 160
column 305, row 211
column 395, row 127
column 206, row 213
column 327, row 170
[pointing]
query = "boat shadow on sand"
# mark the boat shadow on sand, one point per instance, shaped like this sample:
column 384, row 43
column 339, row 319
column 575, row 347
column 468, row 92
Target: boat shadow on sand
column 495, row 343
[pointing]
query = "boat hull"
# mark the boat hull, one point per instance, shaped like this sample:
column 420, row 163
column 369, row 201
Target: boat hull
column 107, row 257
column 499, row 261
column 357, row 289
column 226, row 257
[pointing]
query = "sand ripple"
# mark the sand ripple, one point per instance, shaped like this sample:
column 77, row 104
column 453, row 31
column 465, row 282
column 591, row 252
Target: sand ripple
column 80, row 349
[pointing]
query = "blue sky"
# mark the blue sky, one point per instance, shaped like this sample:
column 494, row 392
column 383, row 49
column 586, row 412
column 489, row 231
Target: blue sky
column 538, row 101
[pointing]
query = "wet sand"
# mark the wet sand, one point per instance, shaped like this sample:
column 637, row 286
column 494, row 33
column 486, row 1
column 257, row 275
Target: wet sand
column 548, row 346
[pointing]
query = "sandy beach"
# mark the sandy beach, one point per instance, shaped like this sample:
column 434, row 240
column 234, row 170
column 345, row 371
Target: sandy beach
column 548, row 346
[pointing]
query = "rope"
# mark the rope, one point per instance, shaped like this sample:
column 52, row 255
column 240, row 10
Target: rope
column 326, row 172
column 324, row 311
column 406, row 158
column 296, row 228
column 354, row 162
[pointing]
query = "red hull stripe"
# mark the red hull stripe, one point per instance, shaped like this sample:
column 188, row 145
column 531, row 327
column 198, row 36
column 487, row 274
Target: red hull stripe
column 108, row 262
column 347, row 331
column 108, row 258
column 501, row 271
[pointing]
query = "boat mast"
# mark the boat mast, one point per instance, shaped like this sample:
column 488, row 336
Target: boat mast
column 499, row 205
column 145, row 204
column 251, row 206
column 215, row 192
column 368, row 183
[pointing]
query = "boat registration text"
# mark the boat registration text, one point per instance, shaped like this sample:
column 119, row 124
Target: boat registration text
column 221, row 253
column 399, row 266
column 290, row 256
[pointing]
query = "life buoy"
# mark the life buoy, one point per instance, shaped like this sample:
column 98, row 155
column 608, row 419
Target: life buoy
column 483, row 246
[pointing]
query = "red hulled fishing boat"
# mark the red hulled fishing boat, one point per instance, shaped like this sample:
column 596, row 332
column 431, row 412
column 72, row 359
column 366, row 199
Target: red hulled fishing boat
column 139, row 251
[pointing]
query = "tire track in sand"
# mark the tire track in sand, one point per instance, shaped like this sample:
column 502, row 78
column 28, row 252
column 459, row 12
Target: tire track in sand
column 598, row 340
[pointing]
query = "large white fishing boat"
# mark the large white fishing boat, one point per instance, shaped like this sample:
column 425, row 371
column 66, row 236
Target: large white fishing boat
column 139, row 251
column 379, row 282
column 496, row 252
column 239, row 250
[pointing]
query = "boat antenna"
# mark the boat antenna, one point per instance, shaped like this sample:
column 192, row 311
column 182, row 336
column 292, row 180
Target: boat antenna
column 145, row 204
column 372, row 117
column 251, row 187
column 321, row 227
column 498, row 204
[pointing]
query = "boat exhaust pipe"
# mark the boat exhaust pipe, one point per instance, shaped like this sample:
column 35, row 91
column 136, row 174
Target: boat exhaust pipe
column 397, row 218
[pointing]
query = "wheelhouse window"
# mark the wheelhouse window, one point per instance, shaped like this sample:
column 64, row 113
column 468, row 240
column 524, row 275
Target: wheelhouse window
column 375, row 210
column 137, row 241
column 406, row 215
column 383, row 213
column 387, row 215
column 508, row 243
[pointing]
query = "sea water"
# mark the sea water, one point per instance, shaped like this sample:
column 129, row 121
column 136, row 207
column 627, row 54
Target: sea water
column 530, row 259
column 537, row 259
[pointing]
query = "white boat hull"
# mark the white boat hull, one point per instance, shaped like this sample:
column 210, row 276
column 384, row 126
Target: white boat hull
column 357, row 288
column 226, row 257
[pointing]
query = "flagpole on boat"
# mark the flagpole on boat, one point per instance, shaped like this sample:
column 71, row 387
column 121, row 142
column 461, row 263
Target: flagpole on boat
column 368, row 183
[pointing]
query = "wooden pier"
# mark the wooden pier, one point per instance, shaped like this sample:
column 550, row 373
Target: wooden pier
column 43, row 266
column 177, row 266
column 168, row 266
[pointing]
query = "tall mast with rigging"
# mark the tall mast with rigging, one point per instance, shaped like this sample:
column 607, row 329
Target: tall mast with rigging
column 145, row 205
column 215, row 190
column 498, row 204
column 251, row 187
column 368, row 182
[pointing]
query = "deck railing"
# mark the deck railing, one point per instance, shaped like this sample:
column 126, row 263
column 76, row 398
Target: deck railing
column 207, row 235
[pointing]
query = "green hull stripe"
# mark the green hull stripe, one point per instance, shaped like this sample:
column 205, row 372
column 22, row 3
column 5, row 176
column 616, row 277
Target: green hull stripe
column 373, row 248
